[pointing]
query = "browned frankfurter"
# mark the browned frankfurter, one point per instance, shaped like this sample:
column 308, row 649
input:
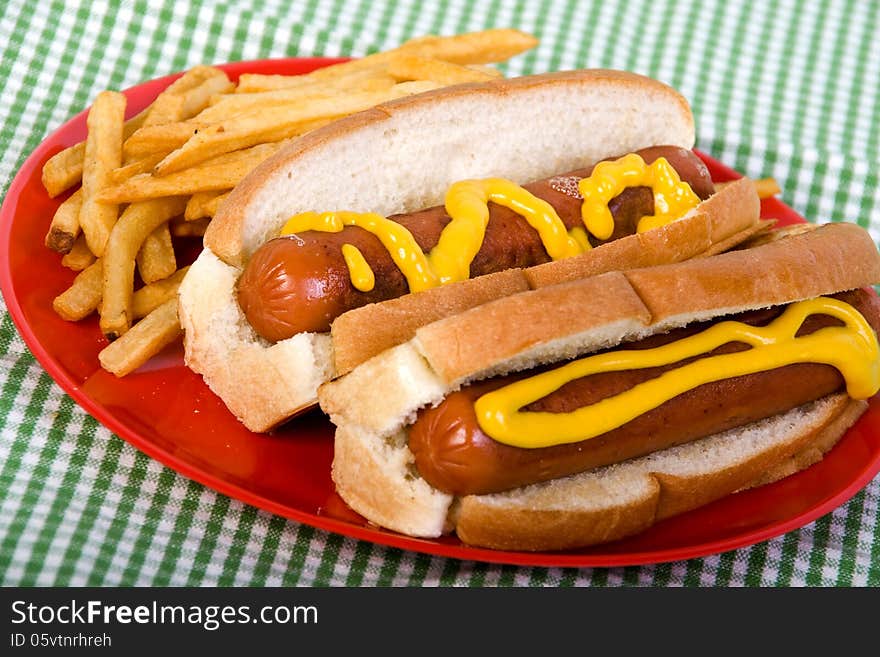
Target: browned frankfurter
column 301, row 282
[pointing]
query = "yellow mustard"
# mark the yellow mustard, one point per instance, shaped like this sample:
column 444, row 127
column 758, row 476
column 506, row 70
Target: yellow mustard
column 852, row 349
column 450, row 260
column 467, row 202
column 672, row 197
column 402, row 246
column 361, row 273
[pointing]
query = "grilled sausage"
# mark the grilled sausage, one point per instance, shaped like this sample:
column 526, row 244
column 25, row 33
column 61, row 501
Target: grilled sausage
column 454, row 455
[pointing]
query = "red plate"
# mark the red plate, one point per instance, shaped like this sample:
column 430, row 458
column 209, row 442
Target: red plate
column 167, row 412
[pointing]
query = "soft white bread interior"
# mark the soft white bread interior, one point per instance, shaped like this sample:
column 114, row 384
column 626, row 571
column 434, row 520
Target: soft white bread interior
column 397, row 157
column 373, row 404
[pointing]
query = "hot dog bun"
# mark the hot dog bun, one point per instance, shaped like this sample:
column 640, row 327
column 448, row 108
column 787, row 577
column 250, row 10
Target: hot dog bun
column 373, row 404
column 522, row 129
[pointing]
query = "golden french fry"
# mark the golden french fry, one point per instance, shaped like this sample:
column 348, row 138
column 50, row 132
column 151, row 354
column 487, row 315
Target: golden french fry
column 195, row 77
column 188, row 95
column 222, row 172
column 212, row 205
column 143, row 165
column 203, row 204
column 272, row 124
column 484, row 47
column 198, row 99
column 145, row 339
column 194, row 228
column 259, row 82
column 767, row 187
column 278, row 86
column 65, row 228
column 64, row 169
column 151, row 296
column 79, row 257
column 156, row 259
column 491, row 71
column 164, row 138
column 83, row 296
column 416, row 67
column 167, row 108
column 337, row 75
column 133, row 227
column 230, row 105
column 103, row 154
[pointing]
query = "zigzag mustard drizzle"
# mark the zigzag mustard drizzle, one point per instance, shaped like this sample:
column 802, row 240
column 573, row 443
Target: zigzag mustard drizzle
column 467, row 202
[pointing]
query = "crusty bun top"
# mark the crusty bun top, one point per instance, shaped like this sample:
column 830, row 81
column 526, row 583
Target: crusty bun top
column 402, row 155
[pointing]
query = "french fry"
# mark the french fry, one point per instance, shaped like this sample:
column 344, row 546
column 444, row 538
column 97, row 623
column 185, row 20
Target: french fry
column 491, row 71
column 274, row 124
column 767, row 187
column 212, row 205
column 167, row 108
column 194, row 228
column 79, row 257
column 64, row 229
column 230, row 105
column 133, row 227
column 202, row 204
column 83, row 296
column 188, row 95
column 146, row 338
column 485, row 47
column 338, row 77
column 103, row 154
column 143, row 165
column 64, row 169
column 164, row 138
column 199, row 98
column 151, row 296
column 219, row 173
column 416, row 67
column 258, row 83
column 156, row 259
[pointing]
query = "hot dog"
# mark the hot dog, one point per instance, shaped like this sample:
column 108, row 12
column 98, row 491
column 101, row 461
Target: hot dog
column 644, row 394
column 301, row 283
column 453, row 454
column 331, row 235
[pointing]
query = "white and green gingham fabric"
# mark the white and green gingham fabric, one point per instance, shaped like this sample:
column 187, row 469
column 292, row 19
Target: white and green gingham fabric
column 780, row 88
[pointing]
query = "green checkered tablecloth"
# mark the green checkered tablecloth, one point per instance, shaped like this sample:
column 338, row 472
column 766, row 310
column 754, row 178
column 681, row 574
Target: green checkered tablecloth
column 782, row 88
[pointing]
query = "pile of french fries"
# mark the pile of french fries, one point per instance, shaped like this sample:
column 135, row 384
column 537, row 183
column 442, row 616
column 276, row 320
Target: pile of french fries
column 163, row 173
